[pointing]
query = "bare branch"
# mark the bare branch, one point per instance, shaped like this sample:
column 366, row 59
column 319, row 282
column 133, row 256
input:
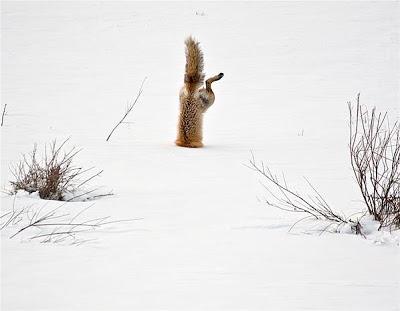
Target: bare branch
column 128, row 109
column 287, row 199
column 55, row 226
column 3, row 114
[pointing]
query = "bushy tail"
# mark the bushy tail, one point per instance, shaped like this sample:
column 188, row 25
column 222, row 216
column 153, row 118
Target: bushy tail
column 194, row 76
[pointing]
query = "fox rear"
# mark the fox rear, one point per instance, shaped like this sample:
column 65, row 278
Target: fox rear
column 194, row 99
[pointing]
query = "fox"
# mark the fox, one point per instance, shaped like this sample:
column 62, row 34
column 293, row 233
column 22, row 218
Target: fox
column 194, row 99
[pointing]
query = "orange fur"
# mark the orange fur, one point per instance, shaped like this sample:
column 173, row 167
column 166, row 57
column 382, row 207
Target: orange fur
column 193, row 100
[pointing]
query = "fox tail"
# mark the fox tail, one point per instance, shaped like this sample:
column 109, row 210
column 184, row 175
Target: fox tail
column 194, row 75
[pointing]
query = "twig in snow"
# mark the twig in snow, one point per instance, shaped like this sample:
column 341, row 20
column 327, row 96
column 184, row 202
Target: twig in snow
column 287, row 199
column 3, row 114
column 55, row 226
column 128, row 109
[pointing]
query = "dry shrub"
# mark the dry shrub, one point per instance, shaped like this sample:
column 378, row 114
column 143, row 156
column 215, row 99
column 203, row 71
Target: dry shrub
column 375, row 160
column 53, row 177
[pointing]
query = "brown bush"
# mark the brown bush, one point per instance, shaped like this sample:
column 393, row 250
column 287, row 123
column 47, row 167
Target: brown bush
column 53, row 177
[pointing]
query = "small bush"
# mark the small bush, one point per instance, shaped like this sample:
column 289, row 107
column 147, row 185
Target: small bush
column 54, row 177
column 375, row 159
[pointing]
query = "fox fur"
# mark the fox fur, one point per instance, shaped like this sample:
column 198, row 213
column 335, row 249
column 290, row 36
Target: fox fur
column 194, row 100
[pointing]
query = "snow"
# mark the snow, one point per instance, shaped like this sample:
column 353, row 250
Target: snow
column 205, row 240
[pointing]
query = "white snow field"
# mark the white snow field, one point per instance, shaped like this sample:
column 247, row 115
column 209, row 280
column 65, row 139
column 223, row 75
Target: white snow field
column 205, row 239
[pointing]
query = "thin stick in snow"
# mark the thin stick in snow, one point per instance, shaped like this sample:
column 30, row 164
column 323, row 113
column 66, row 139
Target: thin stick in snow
column 128, row 110
column 3, row 114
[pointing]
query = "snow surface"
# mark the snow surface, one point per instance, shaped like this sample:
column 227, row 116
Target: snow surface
column 205, row 240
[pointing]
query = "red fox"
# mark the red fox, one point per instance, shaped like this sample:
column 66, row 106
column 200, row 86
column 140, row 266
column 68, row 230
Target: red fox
column 194, row 101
